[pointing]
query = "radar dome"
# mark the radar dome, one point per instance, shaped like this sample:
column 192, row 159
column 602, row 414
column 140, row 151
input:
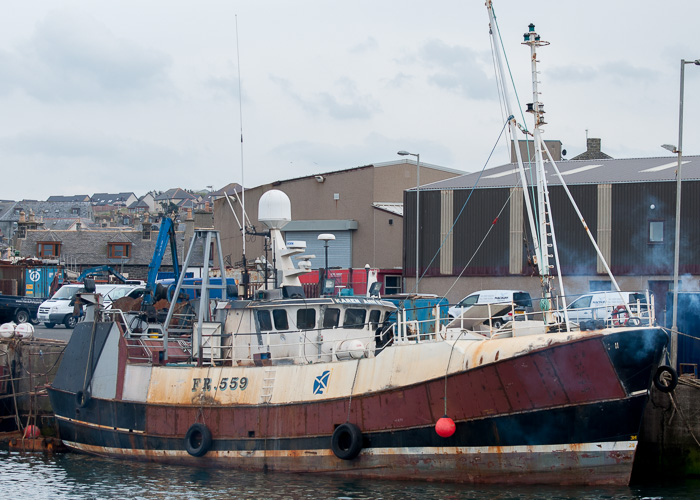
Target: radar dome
column 274, row 209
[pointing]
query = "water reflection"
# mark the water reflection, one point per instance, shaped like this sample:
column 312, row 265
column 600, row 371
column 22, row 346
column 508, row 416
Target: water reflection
column 73, row 476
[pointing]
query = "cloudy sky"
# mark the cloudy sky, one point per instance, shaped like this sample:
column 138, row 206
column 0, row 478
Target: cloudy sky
column 134, row 95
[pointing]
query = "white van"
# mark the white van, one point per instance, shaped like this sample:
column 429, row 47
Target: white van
column 519, row 300
column 58, row 310
column 595, row 309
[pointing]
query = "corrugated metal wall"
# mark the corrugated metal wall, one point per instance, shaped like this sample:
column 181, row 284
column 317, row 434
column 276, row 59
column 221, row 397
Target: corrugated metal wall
column 622, row 211
column 478, row 217
column 632, row 252
column 430, row 233
column 576, row 252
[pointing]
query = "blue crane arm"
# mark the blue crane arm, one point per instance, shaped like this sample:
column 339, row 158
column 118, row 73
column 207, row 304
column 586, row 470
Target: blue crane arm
column 101, row 269
column 166, row 237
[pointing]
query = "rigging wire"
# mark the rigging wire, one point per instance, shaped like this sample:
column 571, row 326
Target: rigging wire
column 523, row 127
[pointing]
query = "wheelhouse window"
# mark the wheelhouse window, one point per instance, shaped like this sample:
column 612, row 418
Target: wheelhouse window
column 306, row 319
column 119, row 250
column 280, row 317
column 264, row 321
column 331, row 317
column 48, row 249
column 374, row 316
column 656, row 231
column 354, row 318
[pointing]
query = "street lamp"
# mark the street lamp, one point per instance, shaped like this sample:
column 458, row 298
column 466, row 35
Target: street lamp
column 676, row 256
column 406, row 153
column 325, row 238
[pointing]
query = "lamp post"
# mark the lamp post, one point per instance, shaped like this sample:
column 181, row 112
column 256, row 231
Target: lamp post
column 325, row 238
column 417, row 155
column 676, row 256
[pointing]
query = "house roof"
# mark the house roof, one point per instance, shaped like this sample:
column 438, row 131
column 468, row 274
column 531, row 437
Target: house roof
column 599, row 171
column 110, row 198
column 49, row 209
column 175, row 194
column 77, row 197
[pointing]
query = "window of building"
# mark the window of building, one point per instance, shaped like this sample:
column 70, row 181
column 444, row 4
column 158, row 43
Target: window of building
column 280, row 317
column 656, row 231
column 46, row 249
column 264, row 321
column 392, row 285
column 119, row 250
column 354, row 318
column 146, row 233
column 75, row 211
column 306, row 319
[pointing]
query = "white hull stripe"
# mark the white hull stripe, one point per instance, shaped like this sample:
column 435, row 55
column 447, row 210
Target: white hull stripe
column 607, row 447
column 98, row 426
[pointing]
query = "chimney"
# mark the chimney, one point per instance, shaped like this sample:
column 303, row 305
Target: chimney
column 527, row 150
column 22, row 217
column 593, row 145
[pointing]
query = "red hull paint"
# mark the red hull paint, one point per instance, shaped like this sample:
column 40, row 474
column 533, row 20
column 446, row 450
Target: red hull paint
column 545, row 379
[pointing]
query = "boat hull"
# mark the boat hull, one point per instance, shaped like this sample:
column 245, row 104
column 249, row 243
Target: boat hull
column 566, row 412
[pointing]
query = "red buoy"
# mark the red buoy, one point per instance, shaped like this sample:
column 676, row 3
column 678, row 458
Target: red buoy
column 445, row 427
column 32, row 431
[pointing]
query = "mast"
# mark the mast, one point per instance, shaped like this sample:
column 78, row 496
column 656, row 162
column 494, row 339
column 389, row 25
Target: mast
column 546, row 227
column 513, row 129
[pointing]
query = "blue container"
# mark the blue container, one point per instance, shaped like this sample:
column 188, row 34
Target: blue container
column 420, row 308
column 38, row 280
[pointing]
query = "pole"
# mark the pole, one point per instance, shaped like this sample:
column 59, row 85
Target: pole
column 676, row 255
column 417, row 218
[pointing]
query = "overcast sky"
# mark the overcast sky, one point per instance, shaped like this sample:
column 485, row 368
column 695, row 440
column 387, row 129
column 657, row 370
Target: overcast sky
column 134, row 95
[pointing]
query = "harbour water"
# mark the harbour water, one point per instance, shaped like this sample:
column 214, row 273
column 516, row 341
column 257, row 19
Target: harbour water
column 79, row 477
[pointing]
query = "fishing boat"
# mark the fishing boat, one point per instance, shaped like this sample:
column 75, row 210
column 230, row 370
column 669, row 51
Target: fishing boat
column 353, row 386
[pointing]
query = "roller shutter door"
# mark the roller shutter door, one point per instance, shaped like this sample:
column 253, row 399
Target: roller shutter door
column 339, row 250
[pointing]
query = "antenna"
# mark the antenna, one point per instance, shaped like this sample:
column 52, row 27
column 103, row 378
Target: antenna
column 246, row 278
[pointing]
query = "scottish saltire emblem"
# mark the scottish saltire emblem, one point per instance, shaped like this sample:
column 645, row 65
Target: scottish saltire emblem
column 321, row 382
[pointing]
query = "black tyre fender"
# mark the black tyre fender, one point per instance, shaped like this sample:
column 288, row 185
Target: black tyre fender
column 346, row 442
column 82, row 398
column 49, row 325
column 198, row 440
column 665, row 378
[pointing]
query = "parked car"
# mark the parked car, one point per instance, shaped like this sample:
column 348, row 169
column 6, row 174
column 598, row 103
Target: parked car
column 119, row 291
column 595, row 309
column 60, row 308
column 519, row 301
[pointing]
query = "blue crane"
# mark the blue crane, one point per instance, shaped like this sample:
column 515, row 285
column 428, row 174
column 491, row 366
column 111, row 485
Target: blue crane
column 166, row 236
